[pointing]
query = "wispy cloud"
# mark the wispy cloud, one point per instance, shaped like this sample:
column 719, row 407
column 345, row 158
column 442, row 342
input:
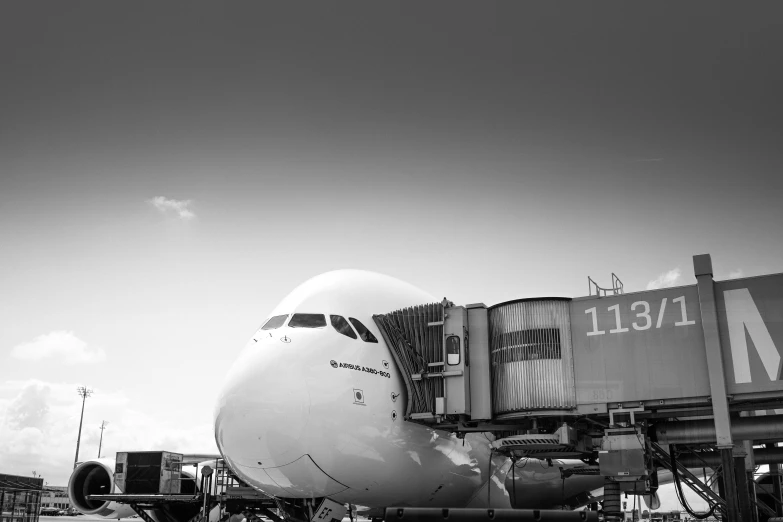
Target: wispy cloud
column 178, row 206
column 59, row 344
column 735, row 274
column 667, row 279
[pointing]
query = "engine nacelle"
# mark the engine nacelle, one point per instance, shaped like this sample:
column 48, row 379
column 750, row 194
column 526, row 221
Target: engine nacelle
column 96, row 477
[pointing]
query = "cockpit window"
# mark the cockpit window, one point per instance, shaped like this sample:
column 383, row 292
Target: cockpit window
column 274, row 322
column 307, row 321
column 364, row 333
column 341, row 325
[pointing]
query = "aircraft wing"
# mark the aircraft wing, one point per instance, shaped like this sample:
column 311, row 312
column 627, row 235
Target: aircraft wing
column 198, row 458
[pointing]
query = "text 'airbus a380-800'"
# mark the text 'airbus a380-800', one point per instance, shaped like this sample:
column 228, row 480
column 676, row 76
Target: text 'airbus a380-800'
column 548, row 403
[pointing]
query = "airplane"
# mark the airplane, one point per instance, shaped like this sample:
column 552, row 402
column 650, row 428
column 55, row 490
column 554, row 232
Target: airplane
column 312, row 409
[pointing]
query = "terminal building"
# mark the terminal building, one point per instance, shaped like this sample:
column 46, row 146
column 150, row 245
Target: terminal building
column 20, row 498
column 55, row 497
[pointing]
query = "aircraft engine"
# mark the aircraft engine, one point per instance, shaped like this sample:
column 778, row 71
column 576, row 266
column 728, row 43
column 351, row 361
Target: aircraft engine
column 94, row 477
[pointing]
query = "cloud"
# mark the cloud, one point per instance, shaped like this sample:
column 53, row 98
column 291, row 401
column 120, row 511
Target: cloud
column 735, row 274
column 59, row 344
column 180, row 207
column 39, row 422
column 666, row 280
column 29, row 409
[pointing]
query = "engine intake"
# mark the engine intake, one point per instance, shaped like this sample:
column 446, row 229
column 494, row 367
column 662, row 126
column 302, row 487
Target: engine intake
column 95, row 477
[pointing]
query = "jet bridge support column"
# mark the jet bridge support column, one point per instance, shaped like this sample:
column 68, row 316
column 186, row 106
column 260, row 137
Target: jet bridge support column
column 744, row 486
column 774, row 471
column 702, row 267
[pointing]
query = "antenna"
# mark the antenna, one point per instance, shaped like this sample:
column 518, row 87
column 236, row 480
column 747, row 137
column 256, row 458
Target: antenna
column 83, row 392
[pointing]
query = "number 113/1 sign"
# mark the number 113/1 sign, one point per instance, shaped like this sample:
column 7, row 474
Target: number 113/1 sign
column 643, row 320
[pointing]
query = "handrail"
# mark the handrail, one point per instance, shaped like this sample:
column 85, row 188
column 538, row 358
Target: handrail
column 617, row 287
column 690, row 479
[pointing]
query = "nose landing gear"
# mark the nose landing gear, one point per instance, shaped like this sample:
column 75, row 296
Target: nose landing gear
column 312, row 510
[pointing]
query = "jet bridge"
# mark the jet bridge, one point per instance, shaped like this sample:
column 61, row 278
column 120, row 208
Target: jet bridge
column 629, row 381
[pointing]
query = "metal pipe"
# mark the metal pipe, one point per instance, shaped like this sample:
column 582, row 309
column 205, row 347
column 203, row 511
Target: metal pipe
column 766, row 428
column 712, row 458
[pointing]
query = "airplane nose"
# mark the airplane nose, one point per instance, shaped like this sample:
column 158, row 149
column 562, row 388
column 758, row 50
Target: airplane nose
column 263, row 408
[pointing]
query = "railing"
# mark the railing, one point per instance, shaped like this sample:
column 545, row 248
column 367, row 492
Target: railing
column 617, row 287
column 701, row 489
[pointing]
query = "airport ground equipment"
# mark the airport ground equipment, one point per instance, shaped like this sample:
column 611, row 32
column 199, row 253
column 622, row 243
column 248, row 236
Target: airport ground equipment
column 150, row 472
column 203, row 495
column 633, row 382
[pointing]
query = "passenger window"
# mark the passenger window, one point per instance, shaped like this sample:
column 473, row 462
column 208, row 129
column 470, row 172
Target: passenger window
column 452, row 350
column 274, row 322
column 307, row 321
column 341, row 325
column 364, row 333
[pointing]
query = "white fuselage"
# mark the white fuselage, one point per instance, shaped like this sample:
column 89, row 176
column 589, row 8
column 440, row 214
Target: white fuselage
column 311, row 412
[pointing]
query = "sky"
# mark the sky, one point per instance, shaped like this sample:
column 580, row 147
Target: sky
column 169, row 172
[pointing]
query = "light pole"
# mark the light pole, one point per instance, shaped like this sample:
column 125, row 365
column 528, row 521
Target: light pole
column 103, row 427
column 83, row 392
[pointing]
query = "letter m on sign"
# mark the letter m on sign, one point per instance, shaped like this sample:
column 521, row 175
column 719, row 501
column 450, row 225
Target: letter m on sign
column 741, row 315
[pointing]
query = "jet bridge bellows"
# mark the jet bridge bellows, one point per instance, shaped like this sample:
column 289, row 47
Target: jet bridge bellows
column 415, row 337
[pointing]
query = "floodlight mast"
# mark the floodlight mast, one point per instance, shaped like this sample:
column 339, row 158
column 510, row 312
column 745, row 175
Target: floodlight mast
column 83, row 392
column 100, row 443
